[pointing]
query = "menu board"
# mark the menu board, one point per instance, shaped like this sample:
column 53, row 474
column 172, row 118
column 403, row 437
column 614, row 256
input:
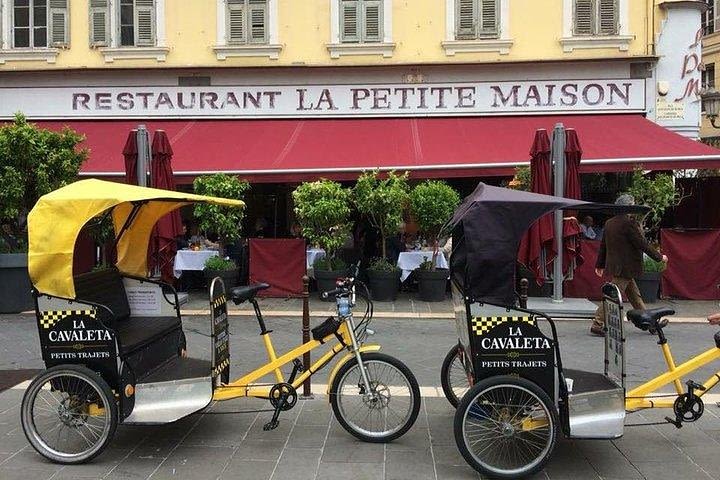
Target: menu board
column 220, row 335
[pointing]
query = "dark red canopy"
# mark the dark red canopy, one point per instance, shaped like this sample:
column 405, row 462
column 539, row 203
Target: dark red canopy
column 573, row 153
column 163, row 246
column 130, row 152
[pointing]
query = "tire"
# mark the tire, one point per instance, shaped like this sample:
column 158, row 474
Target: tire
column 69, row 391
column 488, row 416
column 454, row 377
column 347, row 390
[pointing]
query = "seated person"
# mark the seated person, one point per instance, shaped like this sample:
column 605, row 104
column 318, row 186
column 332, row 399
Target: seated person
column 588, row 228
column 182, row 241
column 198, row 239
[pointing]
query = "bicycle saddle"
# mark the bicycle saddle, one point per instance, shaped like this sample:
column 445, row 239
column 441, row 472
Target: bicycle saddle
column 648, row 319
column 241, row 294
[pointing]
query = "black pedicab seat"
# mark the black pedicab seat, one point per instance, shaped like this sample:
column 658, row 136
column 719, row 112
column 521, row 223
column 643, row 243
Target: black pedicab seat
column 649, row 319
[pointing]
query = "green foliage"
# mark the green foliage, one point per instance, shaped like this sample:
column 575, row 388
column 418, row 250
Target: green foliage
column 382, row 201
column 382, row 265
column 521, row 180
column 219, row 264
column 432, row 203
column 33, row 162
column 658, row 193
column 426, row 265
column 329, row 264
column 323, row 211
column 225, row 222
column 650, row 265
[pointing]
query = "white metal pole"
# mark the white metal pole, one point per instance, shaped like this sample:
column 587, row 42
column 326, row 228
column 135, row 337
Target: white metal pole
column 143, row 161
column 558, row 159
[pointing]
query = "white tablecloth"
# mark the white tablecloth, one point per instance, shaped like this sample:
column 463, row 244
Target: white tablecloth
column 313, row 254
column 409, row 261
column 191, row 260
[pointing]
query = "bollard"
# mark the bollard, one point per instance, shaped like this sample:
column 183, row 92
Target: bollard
column 524, row 292
column 307, row 390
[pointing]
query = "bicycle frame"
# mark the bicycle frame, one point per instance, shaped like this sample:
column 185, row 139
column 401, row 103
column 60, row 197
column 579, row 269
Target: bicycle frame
column 638, row 398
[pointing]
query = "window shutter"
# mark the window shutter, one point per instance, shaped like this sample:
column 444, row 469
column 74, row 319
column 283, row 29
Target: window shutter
column 144, row 23
column 58, row 28
column 258, row 21
column 99, row 23
column 349, row 21
column 235, row 23
column 372, row 19
column 489, row 19
column 465, row 19
column 583, row 21
column 608, row 14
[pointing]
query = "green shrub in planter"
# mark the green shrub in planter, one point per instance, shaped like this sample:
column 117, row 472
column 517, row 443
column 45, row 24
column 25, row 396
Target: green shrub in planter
column 649, row 281
column 650, row 265
column 221, row 267
column 225, row 222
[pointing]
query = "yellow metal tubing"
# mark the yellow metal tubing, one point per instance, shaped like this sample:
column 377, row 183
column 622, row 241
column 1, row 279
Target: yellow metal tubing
column 271, row 355
column 345, row 359
column 710, row 383
column 671, row 366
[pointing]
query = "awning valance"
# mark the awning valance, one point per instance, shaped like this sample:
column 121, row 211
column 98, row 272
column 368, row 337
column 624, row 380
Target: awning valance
column 296, row 150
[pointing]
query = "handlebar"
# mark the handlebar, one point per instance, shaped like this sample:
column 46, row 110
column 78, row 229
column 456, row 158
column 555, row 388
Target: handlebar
column 335, row 291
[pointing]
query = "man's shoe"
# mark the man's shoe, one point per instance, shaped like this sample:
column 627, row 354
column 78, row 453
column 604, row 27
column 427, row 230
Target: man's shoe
column 597, row 331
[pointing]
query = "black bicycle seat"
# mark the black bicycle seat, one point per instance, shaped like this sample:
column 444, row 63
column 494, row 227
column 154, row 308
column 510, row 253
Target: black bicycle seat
column 648, row 319
column 241, row 294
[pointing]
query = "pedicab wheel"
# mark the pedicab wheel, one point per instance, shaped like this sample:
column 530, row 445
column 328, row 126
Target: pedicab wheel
column 506, row 427
column 383, row 414
column 454, row 378
column 69, row 414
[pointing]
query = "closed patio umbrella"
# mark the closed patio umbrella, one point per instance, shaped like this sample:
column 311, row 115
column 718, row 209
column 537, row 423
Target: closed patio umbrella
column 573, row 153
column 130, row 152
column 163, row 246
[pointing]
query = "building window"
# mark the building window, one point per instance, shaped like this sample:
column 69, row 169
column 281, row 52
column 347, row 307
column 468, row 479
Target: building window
column 708, row 18
column 124, row 23
column 246, row 21
column 708, row 76
column 476, row 19
column 595, row 17
column 361, row 21
column 39, row 23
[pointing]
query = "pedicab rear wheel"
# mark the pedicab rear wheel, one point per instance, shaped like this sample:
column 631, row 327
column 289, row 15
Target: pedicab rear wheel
column 454, row 376
column 506, row 427
column 69, row 414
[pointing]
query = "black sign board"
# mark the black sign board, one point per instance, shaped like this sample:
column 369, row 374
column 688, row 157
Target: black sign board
column 220, row 334
column 615, row 336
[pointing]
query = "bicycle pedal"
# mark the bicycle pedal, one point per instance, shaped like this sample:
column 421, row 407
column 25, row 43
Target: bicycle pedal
column 271, row 425
column 677, row 423
column 695, row 386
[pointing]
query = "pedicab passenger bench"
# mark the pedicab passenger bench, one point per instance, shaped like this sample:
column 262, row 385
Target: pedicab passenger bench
column 149, row 346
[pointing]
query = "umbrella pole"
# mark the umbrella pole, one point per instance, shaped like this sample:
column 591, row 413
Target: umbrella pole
column 143, row 161
column 558, row 160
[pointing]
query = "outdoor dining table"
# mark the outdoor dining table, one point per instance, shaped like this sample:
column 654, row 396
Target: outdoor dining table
column 409, row 261
column 311, row 256
column 191, row 260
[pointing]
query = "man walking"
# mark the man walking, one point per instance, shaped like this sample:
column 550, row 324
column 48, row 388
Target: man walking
column 621, row 254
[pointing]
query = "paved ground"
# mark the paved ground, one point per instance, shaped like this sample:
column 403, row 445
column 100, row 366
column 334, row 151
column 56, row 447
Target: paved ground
column 310, row 444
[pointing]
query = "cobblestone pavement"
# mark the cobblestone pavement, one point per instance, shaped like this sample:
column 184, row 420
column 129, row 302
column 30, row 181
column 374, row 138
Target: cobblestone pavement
column 310, row 444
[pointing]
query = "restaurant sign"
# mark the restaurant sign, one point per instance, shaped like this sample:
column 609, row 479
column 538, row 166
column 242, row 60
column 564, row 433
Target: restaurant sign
column 374, row 100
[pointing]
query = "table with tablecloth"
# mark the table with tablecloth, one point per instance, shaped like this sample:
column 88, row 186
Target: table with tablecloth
column 409, row 261
column 191, row 260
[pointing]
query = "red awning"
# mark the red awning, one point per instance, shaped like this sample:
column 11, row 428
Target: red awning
column 296, row 150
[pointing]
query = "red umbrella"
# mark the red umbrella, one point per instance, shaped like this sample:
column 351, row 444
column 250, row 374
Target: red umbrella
column 130, row 152
column 540, row 234
column 573, row 153
column 163, row 247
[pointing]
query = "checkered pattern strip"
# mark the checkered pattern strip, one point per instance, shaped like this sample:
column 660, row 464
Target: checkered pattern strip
column 219, row 301
column 219, row 368
column 482, row 325
column 51, row 317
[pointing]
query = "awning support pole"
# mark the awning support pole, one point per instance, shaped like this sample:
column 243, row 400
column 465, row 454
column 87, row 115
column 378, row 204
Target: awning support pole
column 143, row 159
column 558, row 159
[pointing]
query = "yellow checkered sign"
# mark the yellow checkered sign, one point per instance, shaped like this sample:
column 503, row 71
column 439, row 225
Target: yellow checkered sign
column 219, row 368
column 51, row 317
column 483, row 325
column 219, row 301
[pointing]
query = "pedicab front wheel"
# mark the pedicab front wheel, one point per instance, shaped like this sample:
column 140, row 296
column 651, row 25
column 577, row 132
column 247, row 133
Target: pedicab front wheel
column 506, row 427
column 69, row 414
column 455, row 377
column 388, row 410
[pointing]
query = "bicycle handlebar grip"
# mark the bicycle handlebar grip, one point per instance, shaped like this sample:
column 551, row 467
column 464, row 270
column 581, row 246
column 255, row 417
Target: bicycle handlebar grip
column 332, row 292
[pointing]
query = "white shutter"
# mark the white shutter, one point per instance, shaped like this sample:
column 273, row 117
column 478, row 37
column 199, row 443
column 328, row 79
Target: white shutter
column 372, row 21
column 608, row 14
column 583, row 17
column 349, row 21
column 257, row 19
column 465, row 19
column 235, row 23
column 144, row 23
column 489, row 17
column 58, row 23
column 99, row 23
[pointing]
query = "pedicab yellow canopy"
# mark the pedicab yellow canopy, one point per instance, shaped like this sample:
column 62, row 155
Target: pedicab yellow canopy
column 57, row 218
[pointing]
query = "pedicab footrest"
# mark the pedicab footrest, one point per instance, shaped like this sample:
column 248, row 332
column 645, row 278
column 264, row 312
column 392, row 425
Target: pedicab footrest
column 328, row 327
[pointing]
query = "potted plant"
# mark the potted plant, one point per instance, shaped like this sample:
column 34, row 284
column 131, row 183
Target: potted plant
column 382, row 201
column 432, row 203
column 649, row 282
column 223, row 268
column 323, row 211
column 225, row 222
column 33, row 162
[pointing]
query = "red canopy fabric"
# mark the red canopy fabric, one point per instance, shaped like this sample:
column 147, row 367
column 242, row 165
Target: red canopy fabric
column 573, row 153
column 297, row 150
column 163, row 246
column 693, row 269
column 279, row 262
column 130, row 154
column 585, row 284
